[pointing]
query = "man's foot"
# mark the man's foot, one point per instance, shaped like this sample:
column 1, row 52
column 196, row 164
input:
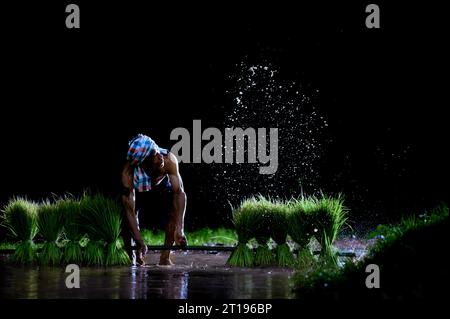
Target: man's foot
column 140, row 259
column 165, row 259
column 180, row 238
column 165, row 263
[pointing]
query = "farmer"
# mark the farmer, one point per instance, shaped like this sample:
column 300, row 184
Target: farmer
column 153, row 173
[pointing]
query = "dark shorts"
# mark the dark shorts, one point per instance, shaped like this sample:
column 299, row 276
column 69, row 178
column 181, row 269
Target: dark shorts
column 153, row 208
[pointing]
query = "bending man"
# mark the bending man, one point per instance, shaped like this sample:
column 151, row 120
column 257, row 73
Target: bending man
column 152, row 171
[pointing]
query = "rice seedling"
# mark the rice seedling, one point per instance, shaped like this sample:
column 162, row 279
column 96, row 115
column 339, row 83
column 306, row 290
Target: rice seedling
column 200, row 237
column 223, row 236
column 300, row 220
column 70, row 209
column 7, row 245
column 50, row 224
column 305, row 260
column 241, row 256
column 328, row 254
column 94, row 253
column 19, row 216
column 329, row 217
column 208, row 236
column 402, row 252
column 389, row 234
column 245, row 220
column 263, row 214
column 279, row 232
column 284, row 256
column 102, row 219
column 153, row 238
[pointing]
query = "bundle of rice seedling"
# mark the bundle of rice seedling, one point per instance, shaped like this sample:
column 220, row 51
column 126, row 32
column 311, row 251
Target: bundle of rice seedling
column 19, row 216
column 208, row 236
column 328, row 254
column 264, row 213
column 263, row 254
column 50, row 224
column 305, row 260
column 301, row 225
column 94, row 253
column 300, row 220
column 70, row 209
column 155, row 237
column 328, row 221
column 279, row 232
column 244, row 219
column 102, row 219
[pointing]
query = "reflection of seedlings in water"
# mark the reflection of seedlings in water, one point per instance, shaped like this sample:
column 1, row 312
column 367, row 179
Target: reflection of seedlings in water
column 26, row 283
column 269, row 285
column 244, row 285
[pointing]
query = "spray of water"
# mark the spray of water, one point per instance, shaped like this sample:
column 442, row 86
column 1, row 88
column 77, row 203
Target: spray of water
column 261, row 99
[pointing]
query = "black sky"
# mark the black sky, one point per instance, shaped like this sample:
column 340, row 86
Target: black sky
column 72, row 98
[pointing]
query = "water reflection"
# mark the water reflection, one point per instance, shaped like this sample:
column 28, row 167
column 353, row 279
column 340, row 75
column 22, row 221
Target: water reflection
column 147, row 284
column 144, row 283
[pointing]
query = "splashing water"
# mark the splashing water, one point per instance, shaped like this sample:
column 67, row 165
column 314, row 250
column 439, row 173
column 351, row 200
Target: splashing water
column 260, row 99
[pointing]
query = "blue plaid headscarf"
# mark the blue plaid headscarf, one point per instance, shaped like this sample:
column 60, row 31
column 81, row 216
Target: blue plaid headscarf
column 141, row 146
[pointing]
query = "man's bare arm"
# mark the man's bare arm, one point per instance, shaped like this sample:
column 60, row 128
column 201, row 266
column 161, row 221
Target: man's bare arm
column 128, row 200
column 179, row 198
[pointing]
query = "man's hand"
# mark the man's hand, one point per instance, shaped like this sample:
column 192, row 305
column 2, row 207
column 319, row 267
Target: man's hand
column 180, row 238
column 141, row 250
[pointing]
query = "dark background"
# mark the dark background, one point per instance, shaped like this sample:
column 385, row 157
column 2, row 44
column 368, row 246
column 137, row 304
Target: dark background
column 71, row 99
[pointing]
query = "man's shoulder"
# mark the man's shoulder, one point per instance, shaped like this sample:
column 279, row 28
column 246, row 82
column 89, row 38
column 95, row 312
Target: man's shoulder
column 127, row 175
column 171, row 163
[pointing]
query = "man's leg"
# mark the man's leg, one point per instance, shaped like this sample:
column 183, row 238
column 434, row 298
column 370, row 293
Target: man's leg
column 168, row 241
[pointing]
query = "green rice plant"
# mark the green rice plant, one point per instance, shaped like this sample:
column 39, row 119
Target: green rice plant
column 328, row 219
column 389, row 234
column 199, row 237
column 50, row 225
column 94, row 253
column 284, row 256
column 71, row 210
column 314, row 276
column 116, row 255
column 19, row 216
column 241, row 256
column 102, row 219
column 279, row 231
column 436, row 215
column 153, row 237
column 245, row 219
column 301, row 220
column 400, row 252
column 264, row 256
column 208, row 236
column 223, row 236
column 305, row 260
column 25, row 252
column 7, row 245
column 266, row 210
column 328, row 254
